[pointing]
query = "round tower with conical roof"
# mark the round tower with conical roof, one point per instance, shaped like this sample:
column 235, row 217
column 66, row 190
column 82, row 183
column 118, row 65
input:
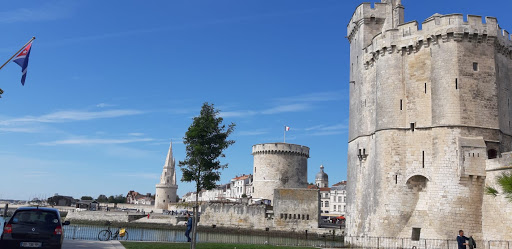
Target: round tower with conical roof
column 166, row 189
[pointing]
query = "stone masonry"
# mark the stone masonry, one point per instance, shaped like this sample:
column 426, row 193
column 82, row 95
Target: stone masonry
column 429, row 108
column 279, row 165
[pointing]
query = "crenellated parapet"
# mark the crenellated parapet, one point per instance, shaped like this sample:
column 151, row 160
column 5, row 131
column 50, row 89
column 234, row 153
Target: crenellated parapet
column 280, row 148
column 365, row 13
column 408, row 38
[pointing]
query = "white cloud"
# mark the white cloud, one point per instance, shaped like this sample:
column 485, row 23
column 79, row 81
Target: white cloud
column 140, row 175
column 313, row 97
column 103, row 105
column 68, row 116
column 19, row 129
column 287, row 108
column 46, row 12
column 274, row 110
column 136, row 134
column 327, row 130
column 251, row 133
column 237, row 114
column 93, row 141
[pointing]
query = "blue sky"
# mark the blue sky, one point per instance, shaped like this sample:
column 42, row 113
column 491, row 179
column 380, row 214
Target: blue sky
column 110, row 83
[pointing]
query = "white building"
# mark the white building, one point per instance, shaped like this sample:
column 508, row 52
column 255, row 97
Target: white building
column 241, row 185
column 338, row 199
column 237, row 187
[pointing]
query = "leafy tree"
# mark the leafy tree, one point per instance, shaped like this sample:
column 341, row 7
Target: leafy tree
column 205, row 141
column 102, row 199
column 119, row 199
column 111, row 199
column 86, row 198
column 505, row 183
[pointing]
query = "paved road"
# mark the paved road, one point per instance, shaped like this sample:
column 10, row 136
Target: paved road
column 91, row 244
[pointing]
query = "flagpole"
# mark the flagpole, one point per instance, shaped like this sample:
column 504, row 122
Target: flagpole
column 285, row 134
column 33, row 38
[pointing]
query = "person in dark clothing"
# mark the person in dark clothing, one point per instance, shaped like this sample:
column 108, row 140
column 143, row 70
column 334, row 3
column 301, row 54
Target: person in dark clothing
column 461, row 240
column 189, row 227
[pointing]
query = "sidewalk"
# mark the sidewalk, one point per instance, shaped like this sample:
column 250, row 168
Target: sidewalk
column 91, row 244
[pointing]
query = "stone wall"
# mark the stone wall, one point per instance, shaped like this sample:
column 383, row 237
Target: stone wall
column 102, row 216
column 296, row 209
column 232, row 215
column 279, row 165
column 497, row 211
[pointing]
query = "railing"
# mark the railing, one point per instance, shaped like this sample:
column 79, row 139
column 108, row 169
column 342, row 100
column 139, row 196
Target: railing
column 90, row 232
column 408, row 243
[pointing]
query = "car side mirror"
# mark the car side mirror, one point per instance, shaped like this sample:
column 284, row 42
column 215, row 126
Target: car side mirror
column 66, row 223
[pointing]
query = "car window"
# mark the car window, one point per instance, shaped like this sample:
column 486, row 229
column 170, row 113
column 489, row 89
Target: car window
column 35, row 217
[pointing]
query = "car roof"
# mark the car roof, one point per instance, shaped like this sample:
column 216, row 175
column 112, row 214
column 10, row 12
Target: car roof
column 38, row 208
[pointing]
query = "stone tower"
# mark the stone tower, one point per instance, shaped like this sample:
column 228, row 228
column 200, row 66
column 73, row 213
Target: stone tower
column 166, row 189
column 429, row 108
column 279, row 165
column 321, row 178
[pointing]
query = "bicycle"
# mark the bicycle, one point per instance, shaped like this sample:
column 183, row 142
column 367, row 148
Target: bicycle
column 120, row 234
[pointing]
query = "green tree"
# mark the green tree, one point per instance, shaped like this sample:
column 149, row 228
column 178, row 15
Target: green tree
column 111, row 199
column 86, row 198
column 505, row 183
column 205, row 141
column 102, row 199
column 119, row 199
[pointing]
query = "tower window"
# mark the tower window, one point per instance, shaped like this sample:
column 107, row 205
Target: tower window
column 396, row 179
column 412, row 126
column 401, row 103
column 425, row 88
column 423, row 159
column 475, row 66
column 456, row 83
column 416, row 234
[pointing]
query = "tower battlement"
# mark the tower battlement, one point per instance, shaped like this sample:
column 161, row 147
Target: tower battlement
column 366, row 12
column 280, row 148
column 410, row 38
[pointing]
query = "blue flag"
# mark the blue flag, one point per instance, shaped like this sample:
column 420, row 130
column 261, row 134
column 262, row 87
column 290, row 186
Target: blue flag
column 22, row 60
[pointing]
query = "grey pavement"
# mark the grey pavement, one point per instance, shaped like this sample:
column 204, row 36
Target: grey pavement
column 91, row 244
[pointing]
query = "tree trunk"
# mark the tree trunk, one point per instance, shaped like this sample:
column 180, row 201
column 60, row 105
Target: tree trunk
column 194, row 220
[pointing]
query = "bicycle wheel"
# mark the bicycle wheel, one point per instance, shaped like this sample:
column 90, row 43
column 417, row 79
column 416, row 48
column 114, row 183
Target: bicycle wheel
column 125, row 237
column 104, row 235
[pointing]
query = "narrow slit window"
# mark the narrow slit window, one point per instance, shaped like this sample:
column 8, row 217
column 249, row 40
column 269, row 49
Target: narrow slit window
column 401, row 103
column 364, row 151
column 423, row 159
column 396, row 179
column 456, row 83
column 412, row 126
column 475, row 66
column 425, row 88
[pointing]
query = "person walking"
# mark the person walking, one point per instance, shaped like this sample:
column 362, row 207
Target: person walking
column 189, row 227
column 461, row 240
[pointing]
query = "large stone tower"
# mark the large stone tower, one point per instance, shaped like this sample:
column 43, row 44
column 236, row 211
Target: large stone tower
column 279, row 165
column 166, row 189
column 321, row 178
column 428, row 107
